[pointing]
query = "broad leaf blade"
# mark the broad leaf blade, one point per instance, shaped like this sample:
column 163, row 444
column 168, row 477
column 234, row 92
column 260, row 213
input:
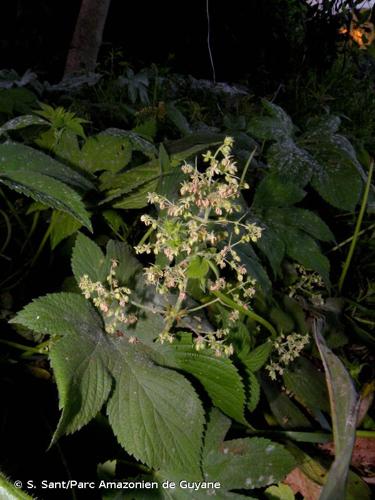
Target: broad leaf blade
column 87, row 258
column 82, row 377
column 146, row 418
column 248, row 463
column 302, row 248
column 218, row 376
column 344, row 409
column 21, row 122
column 274, row 191
column 338, row 180
column 307, row 221
column 62, row 226
column 291, row 162
column 16, row 157
column 142, row 408
column 105, row 152
column 48, row 191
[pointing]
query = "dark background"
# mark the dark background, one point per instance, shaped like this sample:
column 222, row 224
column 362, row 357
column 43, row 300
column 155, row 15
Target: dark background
column 247, row 37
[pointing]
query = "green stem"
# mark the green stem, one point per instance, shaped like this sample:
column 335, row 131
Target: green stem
column 16, row 345
column 309, row 437
column 348, row 240
column 9, row 231
column 365, row 434
column 38, row 349
column 357, row 228
column 247, row 312
column 146, row 236
column 206, row 304
column 146, row 308
column 247, row 166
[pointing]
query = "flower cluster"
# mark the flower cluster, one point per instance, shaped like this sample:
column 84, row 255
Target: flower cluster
column 309, row 284
column 198, row 235
column 111, row 300
column 288, row 348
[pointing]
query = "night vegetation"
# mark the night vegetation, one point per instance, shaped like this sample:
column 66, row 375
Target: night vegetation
column 187, row 250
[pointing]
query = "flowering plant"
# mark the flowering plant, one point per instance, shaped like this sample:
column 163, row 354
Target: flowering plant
column 194, row 238
column 198, row 235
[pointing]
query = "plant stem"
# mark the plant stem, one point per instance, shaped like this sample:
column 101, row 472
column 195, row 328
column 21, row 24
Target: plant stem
column 252, row 154
column 309, row 437
column 250, row 314
column 206, row 304
column 146, row 236
column 25, row 348
column 146, row 308
column 348, row 240
column 9, row 231
column 357, row 228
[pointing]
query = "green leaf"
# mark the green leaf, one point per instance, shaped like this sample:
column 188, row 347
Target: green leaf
column 243, row 463
column 218, row 376
column 147, row 128
column 277, row 112
column 291, row 162
column 287, row 414
column 145, row 417
column 302, row 248
column 307, row 221
column 217, row 428
column 178, row 119
column 190, row 145
column 137, row 141
column 329, row 124
column 276, row 126
column 253, row 267
column 138, row 197
column 307, row 383
column 62, row 226
column 279, row 492
column 198, row 268
column 9, row 492
column 273, row 248
column 141, row 408
column 120, row 184
column 48, row 191
column 344, row 409
column 83, row 380
column 17, row 101
column 63, row 144
column 16, row 157
column 88, row 258
column 22, row 122
column 273, row 191
column 253, row 390
column 130, row 189
column 338, row 180
column 256, row 358
column 105, row 152
column 115, row 222
column 129, row 269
